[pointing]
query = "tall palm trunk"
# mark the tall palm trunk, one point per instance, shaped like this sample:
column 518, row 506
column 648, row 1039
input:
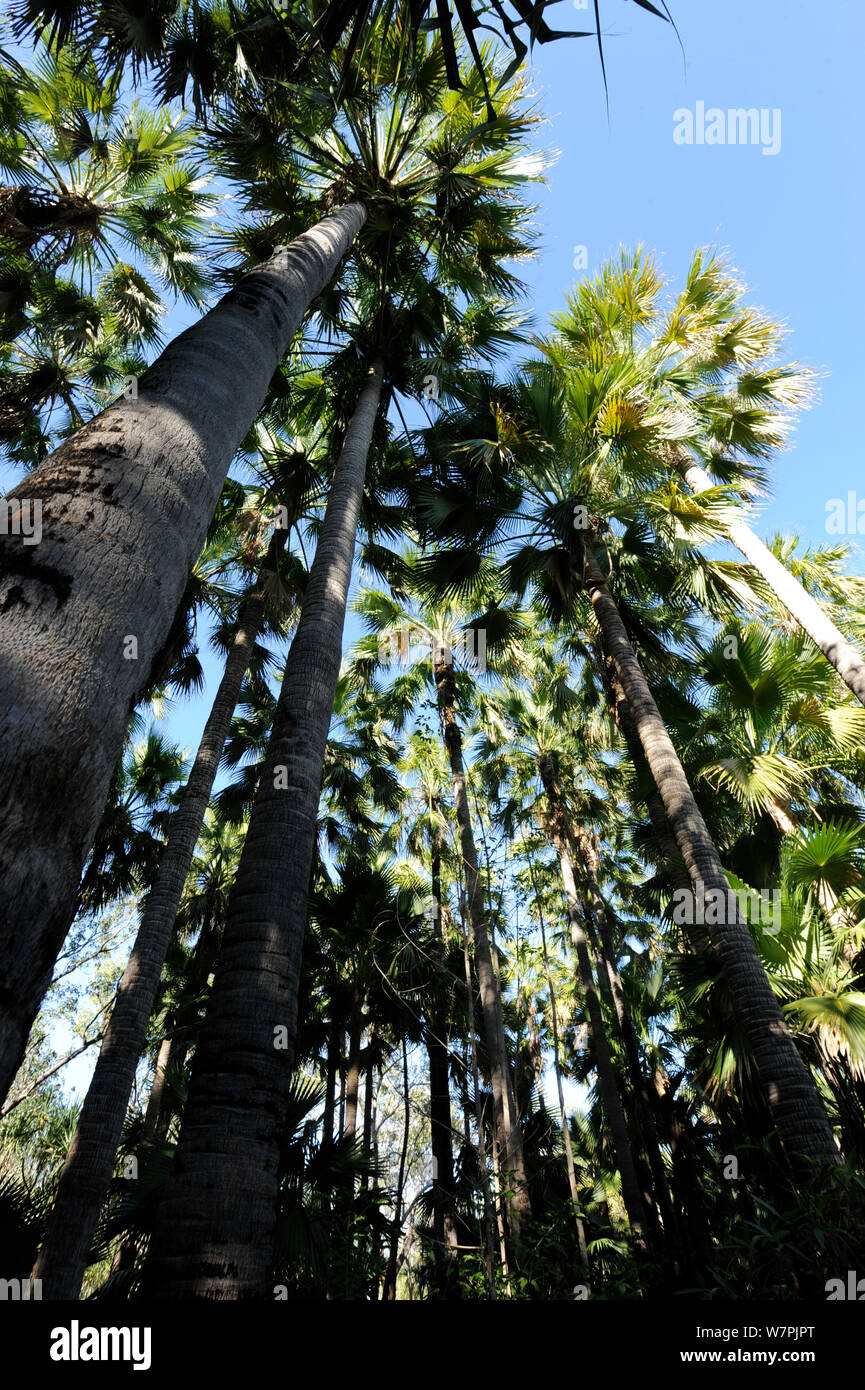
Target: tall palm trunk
column 368, row 1110
column 847, row 659
column 215, row 1228
column 506, row 1114
column 445, row 1236
column 327, row 1119
column 86, row 614
column 639, row 1084
column 389, row 1291
column 654, row 805
column 90, row 1160
column 489, row 1239
column 557, row 1066
column 352, row 1075
column 789, row 1089
column 156, row 1107
column 555, row 825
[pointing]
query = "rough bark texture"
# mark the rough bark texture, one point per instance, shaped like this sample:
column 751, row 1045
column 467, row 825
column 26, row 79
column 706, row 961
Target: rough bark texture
column 506, row 1114
column 445, row 1235
column 90, row 1161
column 847, row 659
column 215, row 1227
column 789, row 1090
column 126, row 503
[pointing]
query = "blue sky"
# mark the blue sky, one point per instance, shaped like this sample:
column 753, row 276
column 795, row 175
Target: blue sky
column 791, row 222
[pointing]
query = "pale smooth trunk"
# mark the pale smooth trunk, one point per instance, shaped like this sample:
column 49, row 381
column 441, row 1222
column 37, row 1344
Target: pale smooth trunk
column 811, row 617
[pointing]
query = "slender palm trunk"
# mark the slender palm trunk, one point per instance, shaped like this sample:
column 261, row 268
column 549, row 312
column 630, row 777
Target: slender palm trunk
column 155, row 1101
column 557, row 1066
column 352, row 1075
column 368, row 1110
column 87, row 613
column 90, row 1161
column 389, row 1294
column 327, row 1120
column 215, row 1229
column 789, row 1089
column 489, row 1239
column 506, row 1114
column 654, row 805
column 624, row 1158
column 638, row 1082
column 445, row 1236
column 847, row 659
column 557, row 827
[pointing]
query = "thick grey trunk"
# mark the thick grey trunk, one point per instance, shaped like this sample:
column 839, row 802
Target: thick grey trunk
column 86, row 613
column 215, row 1228
column 847, row 659
column 788, row 1087
column 90, row 1161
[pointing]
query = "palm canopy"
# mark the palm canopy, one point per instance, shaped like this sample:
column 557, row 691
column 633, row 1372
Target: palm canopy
column 105, row 209
column 215, row 47
column 779, row 728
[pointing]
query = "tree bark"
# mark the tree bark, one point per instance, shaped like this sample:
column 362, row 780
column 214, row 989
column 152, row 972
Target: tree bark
column 389, row 1294
column 352, row 1075
column 445, row 1236
column 789, row 1089
column 811, row 617
column 215, row 1229
column 156, row 1099
column 489, row 1239
column 639, row 1084
column 506, row 1114
column 86, row 613
column 624, row 1158
column 89, row 1163
column 557, row 1066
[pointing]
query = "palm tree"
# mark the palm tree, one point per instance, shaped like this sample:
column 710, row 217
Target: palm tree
column 736, row 404
column 709, row 364
column 200, row 46
column 776, row 734
column 141, row 482
column 433, row 226
column 538, row 728
column 89, row 1163
column 98, row 183
column 581, row 435
column 425, row 835
column 440, row 630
